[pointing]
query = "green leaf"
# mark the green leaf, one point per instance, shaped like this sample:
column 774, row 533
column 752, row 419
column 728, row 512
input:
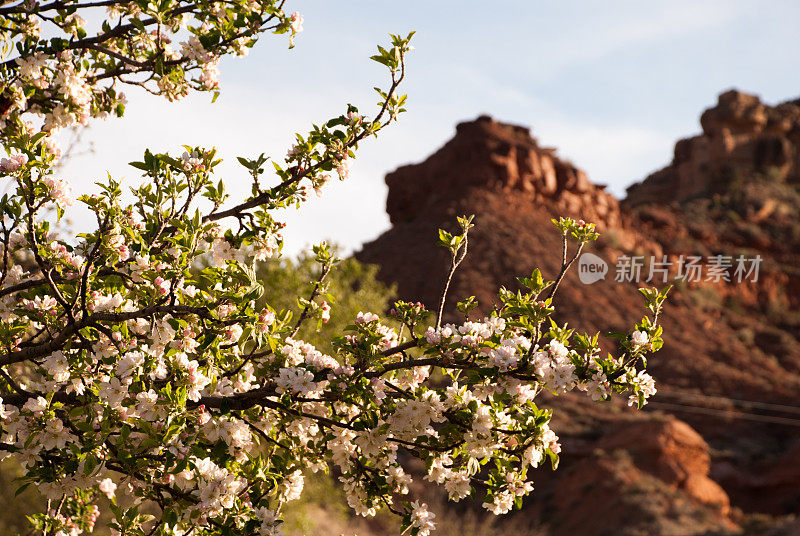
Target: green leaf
column 140, row 165
column 138, row 24
column 89, row 464
column 22, row 488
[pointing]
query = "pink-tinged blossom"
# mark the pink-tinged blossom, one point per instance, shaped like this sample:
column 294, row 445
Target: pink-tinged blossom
column 295, row 381
column 296, row 22
column 598, row 387
column 517, row 485
column 292, row 487
column 222, row 252
column 502, row 502
column 146, row 405
column 343, row 169
column 299, row 351
column 31, row 66
column 57, row 366
column 354, row 118
column 639, row 338
column 193, row 49
column 363, row 318
column 458, row 486
column 35, row 405
column 265, row 319
column 46, row 305
column 117, row 244
column 422, row 518
column 100, row 302
column 140, row 264
column 161, row 334
column 203, row 417
column 398, row 479
column 433, row 336
column 321, row 181
column 268, row 522
column 646, row 385
column 224, row 310
column 187, row 342
column 233, row 333
column 129, row 364
column 4, row 413
column 191, row 162
column 558, row 350
column 76, row 386
column 107, row 487
column 439, row 469
column 371, row 442
column 13, row 163
column 209, row 77
column 113, row 392
column 265, row 247
column 60, row 190
column 189, row 291
column 162, row 285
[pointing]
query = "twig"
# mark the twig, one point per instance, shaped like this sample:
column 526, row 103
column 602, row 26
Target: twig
column 455, row 261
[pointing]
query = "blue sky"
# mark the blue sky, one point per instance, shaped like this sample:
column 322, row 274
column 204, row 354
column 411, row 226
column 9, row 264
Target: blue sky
column 611, row 84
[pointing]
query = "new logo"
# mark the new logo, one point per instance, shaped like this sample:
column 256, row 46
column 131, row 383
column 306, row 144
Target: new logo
column 591, row 268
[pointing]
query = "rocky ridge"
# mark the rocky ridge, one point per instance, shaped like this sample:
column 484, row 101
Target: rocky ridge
column 724, row 342
column 742, row 137
column 497, row 157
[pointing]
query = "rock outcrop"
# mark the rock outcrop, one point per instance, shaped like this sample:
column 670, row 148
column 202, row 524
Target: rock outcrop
column 497, row 157
column 742, row 137
column 673, row 452
column 722, row 340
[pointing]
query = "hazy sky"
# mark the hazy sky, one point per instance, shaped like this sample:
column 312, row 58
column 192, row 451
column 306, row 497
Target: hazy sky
column 611, row 84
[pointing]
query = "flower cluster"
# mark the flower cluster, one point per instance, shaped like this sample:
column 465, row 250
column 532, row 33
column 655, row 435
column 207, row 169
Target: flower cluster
column 171, row 381
column 56, row 75
column 143, row 365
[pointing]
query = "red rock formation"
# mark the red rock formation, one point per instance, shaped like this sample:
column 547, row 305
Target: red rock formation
column 741, row 137
column 496, row 157
column 721, row 339
column 644, row 477
column 672, row 451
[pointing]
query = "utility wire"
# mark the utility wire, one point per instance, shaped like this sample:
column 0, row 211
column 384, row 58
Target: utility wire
column 730, row 414
column 744, row 403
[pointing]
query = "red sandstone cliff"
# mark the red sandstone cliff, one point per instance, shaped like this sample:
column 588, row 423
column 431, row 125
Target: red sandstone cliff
column 722, row 339
column 487, row 155
column 742, row 137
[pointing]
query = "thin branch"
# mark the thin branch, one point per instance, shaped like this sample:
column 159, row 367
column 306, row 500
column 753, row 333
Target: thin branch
column 455, row 262
column 314, row 293
column 564, row 267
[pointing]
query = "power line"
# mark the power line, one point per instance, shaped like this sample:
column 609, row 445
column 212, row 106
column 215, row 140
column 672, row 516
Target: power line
column 744, row 403
column 730, row 414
